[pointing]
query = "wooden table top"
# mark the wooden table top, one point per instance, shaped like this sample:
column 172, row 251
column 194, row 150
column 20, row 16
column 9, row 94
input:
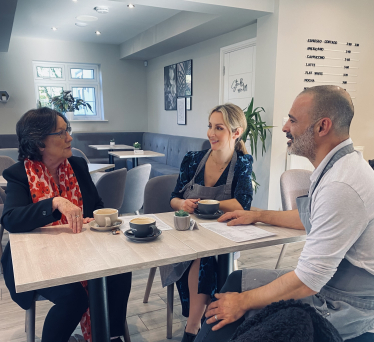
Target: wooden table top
column 112, row 147
column 55, row 256
column 131, row 154
column 99, row 167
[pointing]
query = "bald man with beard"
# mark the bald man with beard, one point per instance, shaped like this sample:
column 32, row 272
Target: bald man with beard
column 335, row 271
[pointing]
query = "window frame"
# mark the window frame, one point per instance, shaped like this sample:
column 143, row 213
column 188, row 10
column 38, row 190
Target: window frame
column 67, row 83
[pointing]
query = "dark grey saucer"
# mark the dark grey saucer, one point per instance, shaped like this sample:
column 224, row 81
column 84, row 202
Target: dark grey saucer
column 129, row 234
column 214, row 216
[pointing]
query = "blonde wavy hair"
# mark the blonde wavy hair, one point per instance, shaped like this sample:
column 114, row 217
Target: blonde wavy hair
column 233, row 117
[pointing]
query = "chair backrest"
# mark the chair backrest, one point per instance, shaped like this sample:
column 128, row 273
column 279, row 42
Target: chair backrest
column 2, row 196
column 10, row 152
column 136, row 181
column 294, row 183
column 157, row 194
column 5, row 162
column 78, row 153
column 111, row 188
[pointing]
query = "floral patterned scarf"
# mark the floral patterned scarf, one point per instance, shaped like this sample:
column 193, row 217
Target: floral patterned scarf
column 42, row 186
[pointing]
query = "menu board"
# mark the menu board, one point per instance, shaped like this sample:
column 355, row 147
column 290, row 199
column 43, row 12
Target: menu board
column 332, row 62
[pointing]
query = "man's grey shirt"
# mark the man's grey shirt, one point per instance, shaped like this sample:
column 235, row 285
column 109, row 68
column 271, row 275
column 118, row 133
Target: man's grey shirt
column 342, row 219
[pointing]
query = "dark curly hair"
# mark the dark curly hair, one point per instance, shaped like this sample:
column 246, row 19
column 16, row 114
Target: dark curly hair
column 33, row 128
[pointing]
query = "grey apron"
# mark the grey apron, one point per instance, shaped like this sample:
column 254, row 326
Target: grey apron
column 347, row 300
column 171, row 273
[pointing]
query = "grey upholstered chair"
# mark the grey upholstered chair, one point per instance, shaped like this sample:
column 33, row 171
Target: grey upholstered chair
column 78, row 153
column 293, row 183
column 136, row 181
column 111, row 188
column 10, row 152
column 157, row 200
column 5, row 162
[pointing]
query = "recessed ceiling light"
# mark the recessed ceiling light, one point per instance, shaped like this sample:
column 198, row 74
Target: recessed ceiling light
column 54, row 28
column 81, row 24
column 86, row 18
column 101, row 9
column 75, row 0
column 98, row 33
column 130, row 6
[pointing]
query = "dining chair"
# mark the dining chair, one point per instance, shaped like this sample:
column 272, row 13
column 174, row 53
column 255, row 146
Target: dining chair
column 136, row 181
column 111, row 188
column 30, row 322
column 293, row 183
column 10, row 152
column 157, row 194
column 78, row 153
column 5, row 162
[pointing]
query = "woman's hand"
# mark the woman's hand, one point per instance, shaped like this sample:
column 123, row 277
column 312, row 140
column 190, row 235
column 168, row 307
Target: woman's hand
column 189, row 205
column 72, row 212
column 227, row 309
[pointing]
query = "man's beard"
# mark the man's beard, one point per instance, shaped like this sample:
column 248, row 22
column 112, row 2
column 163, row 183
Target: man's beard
column 304, row 145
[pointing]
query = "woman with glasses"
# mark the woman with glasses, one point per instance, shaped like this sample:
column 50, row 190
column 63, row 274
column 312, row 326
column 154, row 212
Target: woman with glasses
column 47, row 187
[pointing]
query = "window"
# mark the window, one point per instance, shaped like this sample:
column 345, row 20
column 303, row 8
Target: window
column 82, row 79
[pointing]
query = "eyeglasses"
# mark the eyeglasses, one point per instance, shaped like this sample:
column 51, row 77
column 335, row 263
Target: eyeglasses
column 62, row 134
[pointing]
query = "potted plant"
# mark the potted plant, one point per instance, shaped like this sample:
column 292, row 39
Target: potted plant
column 136, row 145
column 65, row 103
column 182, row 220
column 112, row 142
column 256, row 131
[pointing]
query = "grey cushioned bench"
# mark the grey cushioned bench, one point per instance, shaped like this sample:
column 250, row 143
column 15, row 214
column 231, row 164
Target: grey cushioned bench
column 173, row 146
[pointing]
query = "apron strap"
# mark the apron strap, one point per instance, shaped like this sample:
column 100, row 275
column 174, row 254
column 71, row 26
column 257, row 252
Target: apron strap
column 230, row 175
column 199, row 167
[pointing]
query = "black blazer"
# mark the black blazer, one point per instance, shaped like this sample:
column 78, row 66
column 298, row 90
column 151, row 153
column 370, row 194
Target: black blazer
column 22, row 215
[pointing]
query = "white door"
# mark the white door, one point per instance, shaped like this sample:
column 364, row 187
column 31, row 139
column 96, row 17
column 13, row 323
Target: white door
column 238, row 73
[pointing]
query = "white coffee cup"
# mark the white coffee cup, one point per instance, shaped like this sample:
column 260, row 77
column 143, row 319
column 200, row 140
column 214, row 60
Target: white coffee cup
column 106, row 217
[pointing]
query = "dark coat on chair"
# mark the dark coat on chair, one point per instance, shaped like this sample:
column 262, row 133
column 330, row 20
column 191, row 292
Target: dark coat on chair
column 22, row 215
column 286, row 321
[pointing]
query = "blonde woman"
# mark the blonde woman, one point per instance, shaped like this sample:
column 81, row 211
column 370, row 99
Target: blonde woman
column 223, row 173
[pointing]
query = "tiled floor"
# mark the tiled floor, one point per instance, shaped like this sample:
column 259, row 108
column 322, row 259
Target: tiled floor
column 147, row 322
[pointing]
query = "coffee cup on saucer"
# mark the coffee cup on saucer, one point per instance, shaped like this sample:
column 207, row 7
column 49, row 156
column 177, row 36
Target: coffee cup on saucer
column 143, row 226
column 106, row 217
column 207, row 206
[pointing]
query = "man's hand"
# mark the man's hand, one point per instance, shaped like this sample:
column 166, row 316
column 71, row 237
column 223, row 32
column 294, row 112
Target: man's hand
column 87, row 220
column 190, row 205
column 228, row 308
column 238, row 217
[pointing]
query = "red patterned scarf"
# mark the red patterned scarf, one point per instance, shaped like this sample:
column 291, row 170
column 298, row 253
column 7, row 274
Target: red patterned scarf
column 43, row 186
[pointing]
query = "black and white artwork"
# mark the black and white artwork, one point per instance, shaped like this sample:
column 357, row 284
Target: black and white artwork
column 184, row 78
column 170, row 87
column 181, row 111
column 189, row 103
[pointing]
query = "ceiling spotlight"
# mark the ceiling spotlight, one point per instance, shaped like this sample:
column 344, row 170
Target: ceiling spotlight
column 54, row 28
column 81, row 24
column 75, row 0
column 98, row 33
column 101, row 9
column 130, row 6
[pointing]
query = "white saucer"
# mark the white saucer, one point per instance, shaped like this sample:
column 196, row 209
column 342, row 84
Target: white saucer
column 95, row 226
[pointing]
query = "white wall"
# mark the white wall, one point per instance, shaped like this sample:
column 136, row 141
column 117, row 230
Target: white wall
column 123, row 82
column 206, row 58
column 342, row 20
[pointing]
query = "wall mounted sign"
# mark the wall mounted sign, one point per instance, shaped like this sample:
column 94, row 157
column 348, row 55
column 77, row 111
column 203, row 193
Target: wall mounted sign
column 337, row 65
column 181, row 111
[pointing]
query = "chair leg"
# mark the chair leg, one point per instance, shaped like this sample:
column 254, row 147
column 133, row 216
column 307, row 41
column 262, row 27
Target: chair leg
column 282, row 253
column 127, row 334
column 169, row 311
column 151, row 276
column 30, row 323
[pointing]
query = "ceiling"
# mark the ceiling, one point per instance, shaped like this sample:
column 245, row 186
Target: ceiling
column 152, row 28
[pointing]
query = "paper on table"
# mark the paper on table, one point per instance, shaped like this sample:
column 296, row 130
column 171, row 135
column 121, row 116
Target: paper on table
column 159, row 223
column 237, row 233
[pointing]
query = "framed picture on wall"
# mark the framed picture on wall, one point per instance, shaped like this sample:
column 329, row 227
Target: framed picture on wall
column 170, row 87
column 181, row 111
column 184, row 78
column 189, row 103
